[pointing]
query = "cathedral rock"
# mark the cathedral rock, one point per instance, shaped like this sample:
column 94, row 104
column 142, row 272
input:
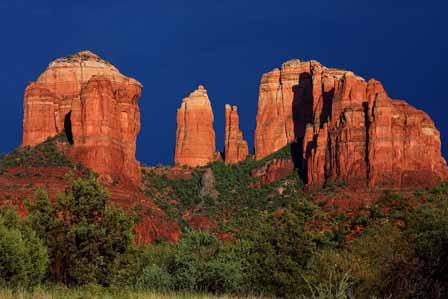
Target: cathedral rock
column 235, row 147
column 97, row 108
column 195, row 135
column 346, row 129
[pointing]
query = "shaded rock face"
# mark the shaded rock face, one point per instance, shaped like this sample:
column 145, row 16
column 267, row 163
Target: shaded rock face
column 348, row 129
column 95, row 105
column 274, row 171
column 235, row 147
column 195, row 135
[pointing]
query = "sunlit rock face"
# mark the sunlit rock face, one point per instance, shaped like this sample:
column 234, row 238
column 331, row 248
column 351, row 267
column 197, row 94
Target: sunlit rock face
column 195, row 135
column 236, row 148
column 96, row 106
column 346, row 129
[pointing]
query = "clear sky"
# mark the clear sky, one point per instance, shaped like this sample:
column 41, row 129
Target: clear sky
column 171, row 46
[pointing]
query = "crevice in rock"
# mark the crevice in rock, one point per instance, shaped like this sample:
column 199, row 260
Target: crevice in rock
column 367, row 129
column 68, row 127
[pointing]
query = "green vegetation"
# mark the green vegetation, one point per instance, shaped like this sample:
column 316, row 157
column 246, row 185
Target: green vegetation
column 240, row 195
column 23, row 257
column 86, row 239
column 45, row 154
column 281, row 242
column 94, row 292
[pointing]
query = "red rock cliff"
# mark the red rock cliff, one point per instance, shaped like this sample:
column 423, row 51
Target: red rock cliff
column 236, row 148
column 195, row 135
column 95, row 105
column 347, row 129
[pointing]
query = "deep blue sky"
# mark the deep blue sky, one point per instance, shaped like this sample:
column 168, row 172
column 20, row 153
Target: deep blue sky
column 172, row 46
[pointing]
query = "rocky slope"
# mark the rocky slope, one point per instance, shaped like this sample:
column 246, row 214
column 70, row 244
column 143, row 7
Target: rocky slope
column 346, row 128
column 95, row 105
column 44, row 166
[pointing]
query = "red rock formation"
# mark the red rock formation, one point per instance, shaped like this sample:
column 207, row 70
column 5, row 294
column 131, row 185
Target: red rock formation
column 350, row 130
column 195, row 135
column 275, row 170
column 95, row 105
column 236, row 148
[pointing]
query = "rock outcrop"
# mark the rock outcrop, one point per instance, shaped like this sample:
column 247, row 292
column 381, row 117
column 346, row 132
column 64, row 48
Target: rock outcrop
column 208, row 185
column 275, row 170
column 95, row 105
column 348, row 129
column 195, row 135
column 235, row 147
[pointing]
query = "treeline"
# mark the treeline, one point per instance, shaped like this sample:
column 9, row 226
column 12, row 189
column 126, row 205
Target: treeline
column 297, row 252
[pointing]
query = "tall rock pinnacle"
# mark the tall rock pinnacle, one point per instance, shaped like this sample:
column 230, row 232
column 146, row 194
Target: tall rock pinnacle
column 346, row 128
column 236, row 148
column 96, row 106
column 195, row 135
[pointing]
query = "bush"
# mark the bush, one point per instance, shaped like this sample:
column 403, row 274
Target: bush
column 23, row 257
column 203, row 263
column 336, row 286
column 45, row 154
column 153, row 277
column 87, row 239
column 426, row 274
column 279, row 252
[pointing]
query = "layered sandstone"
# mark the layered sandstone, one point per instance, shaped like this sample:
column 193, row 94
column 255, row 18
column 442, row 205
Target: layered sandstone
column 236, row 148
column 195, row 135
column 347, row 129
column 95, row 105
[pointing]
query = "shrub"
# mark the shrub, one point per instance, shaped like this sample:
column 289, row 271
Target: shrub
column 23, row 257
column 45, row 154
column 336, row 286
column 154, row 277
column 203, row 263
column 279, row 252
column 85, row 237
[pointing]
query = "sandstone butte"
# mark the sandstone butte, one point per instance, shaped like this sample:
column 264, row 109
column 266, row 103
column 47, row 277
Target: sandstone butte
column 346, row 128
column 195, row 135
column 235, row 147
column 95, row 105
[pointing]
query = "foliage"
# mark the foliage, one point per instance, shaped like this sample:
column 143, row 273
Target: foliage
column 57, row 292
column 23, row 257
column 155, row 278
column 44, row 154
column 279, row 254
column 426, row 272
column 85, row 237
column 239, row 195
column 331, row 288
column 202, row 263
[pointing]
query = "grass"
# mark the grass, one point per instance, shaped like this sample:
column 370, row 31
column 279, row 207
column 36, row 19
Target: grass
column 98, row 293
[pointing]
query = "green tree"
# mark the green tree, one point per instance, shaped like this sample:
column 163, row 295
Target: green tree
column 23, row 257
column 203, row 263
column 279, row 253
column 86, row 238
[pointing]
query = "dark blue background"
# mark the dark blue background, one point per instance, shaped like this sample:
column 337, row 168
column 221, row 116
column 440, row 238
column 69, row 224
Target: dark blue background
column 172, row 46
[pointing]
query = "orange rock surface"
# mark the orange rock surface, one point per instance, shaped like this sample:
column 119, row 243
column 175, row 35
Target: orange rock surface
column 195, row 135
column 347, row 129
column 95, row 105
column 235, row 147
